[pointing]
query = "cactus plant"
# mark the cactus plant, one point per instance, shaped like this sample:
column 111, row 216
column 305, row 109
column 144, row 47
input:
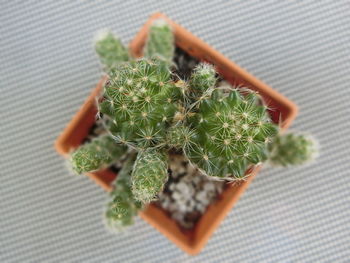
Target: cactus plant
column 110, row 49
column 142, row 101
column 122, row 207
column 149, row 175
column 160, row 43
column 231, row 133
column 292, row 149
column 150, row 111
column 202, row 80
column 95, row 155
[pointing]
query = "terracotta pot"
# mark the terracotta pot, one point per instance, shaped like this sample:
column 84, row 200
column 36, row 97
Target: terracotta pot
column 191, row 241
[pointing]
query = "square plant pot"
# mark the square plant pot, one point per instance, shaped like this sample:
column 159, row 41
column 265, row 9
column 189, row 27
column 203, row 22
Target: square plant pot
column 192, row 241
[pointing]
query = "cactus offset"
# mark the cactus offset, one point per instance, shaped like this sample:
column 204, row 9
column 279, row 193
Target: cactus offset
column 122, row 207
column 149, row 175
column 203, row 79
column 94, row 155
column 110, row 49
column 292, row 149
column 160, row 42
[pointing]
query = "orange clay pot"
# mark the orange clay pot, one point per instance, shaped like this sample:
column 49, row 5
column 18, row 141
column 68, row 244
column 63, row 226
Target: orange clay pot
column 191, row 241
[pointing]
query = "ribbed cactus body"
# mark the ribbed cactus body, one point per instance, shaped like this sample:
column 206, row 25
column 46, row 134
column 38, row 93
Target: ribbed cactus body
column 202, row 80
column 231, row 133
column 142, row 100
column 180, row 137
column 149, row 175
column 160, row 42
column 292, row 149
column 96, row 154
column 122, row 207
column 110, row 50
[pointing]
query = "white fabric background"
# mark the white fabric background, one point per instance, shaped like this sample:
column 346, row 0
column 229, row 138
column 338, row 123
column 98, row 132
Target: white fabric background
column 48, row 67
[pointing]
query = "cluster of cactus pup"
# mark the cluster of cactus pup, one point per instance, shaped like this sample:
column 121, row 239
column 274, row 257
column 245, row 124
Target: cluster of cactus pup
column 148, row 111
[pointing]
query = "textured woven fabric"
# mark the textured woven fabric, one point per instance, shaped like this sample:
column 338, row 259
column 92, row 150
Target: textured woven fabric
column 48, row 67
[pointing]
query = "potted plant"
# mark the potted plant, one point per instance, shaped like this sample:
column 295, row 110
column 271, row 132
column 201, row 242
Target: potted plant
column 185, row 129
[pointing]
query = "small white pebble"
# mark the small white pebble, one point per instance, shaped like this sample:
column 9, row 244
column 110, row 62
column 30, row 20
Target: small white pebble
column 182, row 207
column 209, row 186
column 200, row 195
column 182, row 187
column 205, row 201
column 200, row 208
column 172, row 187
column 176, row 195
column 172, row 207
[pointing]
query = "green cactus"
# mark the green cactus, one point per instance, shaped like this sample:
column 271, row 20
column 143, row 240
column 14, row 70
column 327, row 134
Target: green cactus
column 160, row 42
column 180, row 137
column 203, row 79
column 149, row 175
column 94, row 155
column 142, row 101
column 122, row 208
column 292, row 149
column 110, row 50
column 149, row 110
column 230, row 134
